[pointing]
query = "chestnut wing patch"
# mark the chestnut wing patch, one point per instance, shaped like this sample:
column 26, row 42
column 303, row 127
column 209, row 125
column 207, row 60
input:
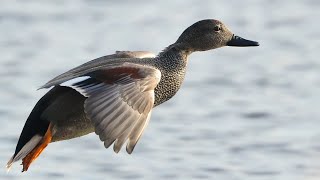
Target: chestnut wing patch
column 119, row 102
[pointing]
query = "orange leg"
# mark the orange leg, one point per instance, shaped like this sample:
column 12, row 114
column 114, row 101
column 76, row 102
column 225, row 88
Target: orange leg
column 26, row 161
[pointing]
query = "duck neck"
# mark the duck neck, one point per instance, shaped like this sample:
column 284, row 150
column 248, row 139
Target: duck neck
column 174, row 54
column 172, row 63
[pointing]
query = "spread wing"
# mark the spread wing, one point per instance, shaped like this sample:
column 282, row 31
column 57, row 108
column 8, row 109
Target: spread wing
column 120, row 100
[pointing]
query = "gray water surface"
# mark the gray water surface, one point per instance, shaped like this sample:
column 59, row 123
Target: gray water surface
column 242, row 113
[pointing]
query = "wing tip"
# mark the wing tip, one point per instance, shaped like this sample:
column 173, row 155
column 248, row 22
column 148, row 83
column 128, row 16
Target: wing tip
column 47, row 85
column 41, row 87
column 107, row 143
column 116, row 149
column 130, row 148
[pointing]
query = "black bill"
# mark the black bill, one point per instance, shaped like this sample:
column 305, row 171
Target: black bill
column 239, row 41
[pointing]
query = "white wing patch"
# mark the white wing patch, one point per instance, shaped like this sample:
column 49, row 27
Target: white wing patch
column 71, row 83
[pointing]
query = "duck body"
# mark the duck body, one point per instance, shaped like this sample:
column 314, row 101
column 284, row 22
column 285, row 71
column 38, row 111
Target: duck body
column 73, row 122
column 113, row 95
column 66, row 112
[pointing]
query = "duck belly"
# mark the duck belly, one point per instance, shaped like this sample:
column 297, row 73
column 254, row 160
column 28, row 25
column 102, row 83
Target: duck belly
column 66, row 113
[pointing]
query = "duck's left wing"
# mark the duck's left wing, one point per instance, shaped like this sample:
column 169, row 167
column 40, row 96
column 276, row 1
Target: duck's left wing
column 103, row 62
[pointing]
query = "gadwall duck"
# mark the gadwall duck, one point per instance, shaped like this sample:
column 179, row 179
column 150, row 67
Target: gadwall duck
column 113, row 95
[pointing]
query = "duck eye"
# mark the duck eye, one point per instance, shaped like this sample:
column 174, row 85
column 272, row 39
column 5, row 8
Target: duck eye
column 217, row 28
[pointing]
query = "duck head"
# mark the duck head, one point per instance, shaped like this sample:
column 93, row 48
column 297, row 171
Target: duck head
column 210, row 34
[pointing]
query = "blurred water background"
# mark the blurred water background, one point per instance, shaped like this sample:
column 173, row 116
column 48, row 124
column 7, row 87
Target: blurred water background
column 242, row 113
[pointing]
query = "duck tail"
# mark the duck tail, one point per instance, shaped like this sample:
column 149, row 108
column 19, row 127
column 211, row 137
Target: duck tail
column 9, row 164
column 25, row 150
column 31, row 150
